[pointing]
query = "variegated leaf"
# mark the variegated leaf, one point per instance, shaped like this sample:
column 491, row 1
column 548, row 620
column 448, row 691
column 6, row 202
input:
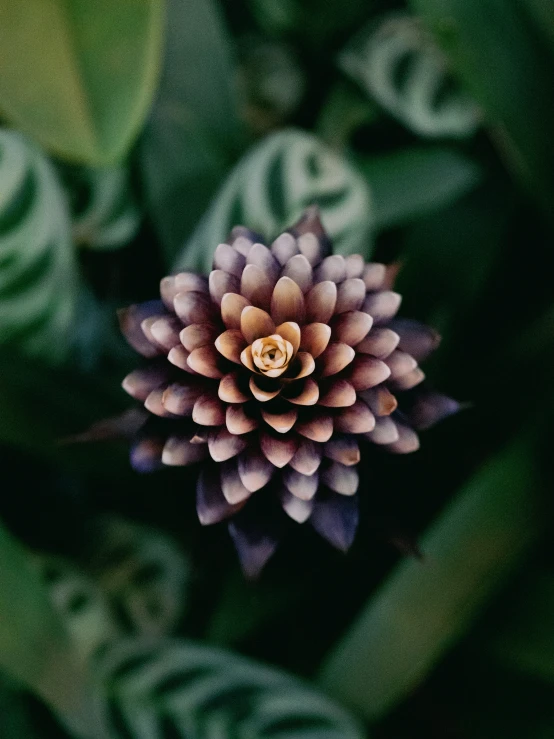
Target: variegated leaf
column 271, row 187
column 38, row 277
column 399, row 65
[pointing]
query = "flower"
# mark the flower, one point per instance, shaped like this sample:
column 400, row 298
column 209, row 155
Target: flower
column 277, row 367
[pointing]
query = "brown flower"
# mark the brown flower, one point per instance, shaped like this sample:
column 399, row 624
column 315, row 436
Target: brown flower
column 277, row 367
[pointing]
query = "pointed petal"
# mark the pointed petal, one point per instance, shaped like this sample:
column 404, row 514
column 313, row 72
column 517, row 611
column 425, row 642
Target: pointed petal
column 335, row 358
column 183, row 282
column 408, row 440
column 206, row 360
column 357, row 419
column 281, row 422
column 317, row 427
column 335, row 518
column 256, row 287
column 254, row 547
column 416, row 338
column 299, row 510
column 211, row 505
column 315, row 338
column 246, row 359
column 179, row 452
column 380, row 400
column 409, row 380
column 299, row 269
column 193, row 307
column 154, row 404
column 179, row 357
column 238, row 421
column 400, row 363
column 209, row 410
column 223, row 445
column 197, row 334
column 380, row 342
column 261, row 257
column 340, row 478
column 354, row 265
column 221, row 283
column 431, row 407
column 310, row 247
column 179, row 399
column 310, row 222
column 382, row 306
column 290, row 331
column 259, row 393
column 343, row 449
column 331, row 268
column 287, row 302
column 307, row 458
column 308, row 395
column 165, row 331
column 255, row 470
column 230, row 389
column 304, row 365
column 140, row 383
column 232, row 306
column 302, row 486
column 337, row 394
column 168, row 291
column 146, row 455
column 229, row 260
column 374, row 276
column 284, row 247
column 130, row 320
column 366, row 371
column 350, row 328
column 231, row 484
column 321, row 302
column 385, row 431
column 279, row 450
column 230, row 344
column 255, row 324
column 350, row 295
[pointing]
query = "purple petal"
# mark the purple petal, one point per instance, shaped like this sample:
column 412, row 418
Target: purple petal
column 416, row 338
column 130, row 320
column 335, row 518
column 211, row 504
column 430, row 407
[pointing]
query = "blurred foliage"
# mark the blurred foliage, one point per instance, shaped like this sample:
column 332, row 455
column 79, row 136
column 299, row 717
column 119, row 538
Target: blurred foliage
column 133, row 137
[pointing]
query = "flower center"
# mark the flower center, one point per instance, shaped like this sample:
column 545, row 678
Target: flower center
column 272, row 355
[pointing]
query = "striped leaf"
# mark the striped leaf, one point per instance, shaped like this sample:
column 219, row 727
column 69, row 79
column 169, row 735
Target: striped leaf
column 181, row 689
column 105, row 215
column 399, row 65
column 271, row 186
column 38, row 277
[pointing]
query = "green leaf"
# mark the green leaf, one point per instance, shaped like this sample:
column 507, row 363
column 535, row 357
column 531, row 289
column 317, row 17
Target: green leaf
column 503, row 65
column 269, row 189
column 193, row 134
column 34, row 647
column 79, row 76
column 193, row 691
column 38, row 277
column 425, row 606
column 409, row 183
column 401, row 68
column 104, row 212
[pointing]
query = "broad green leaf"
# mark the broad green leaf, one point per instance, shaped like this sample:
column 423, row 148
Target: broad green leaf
column 38, row 276
column 409, row 183
column 398, row 64
column 273, row 184
column 104, row 212
column 192, row 691
column 34, row 647
column 426, row 606
column 494, row 51
column 541, row 13
column 193, row 134
column 79, row 76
